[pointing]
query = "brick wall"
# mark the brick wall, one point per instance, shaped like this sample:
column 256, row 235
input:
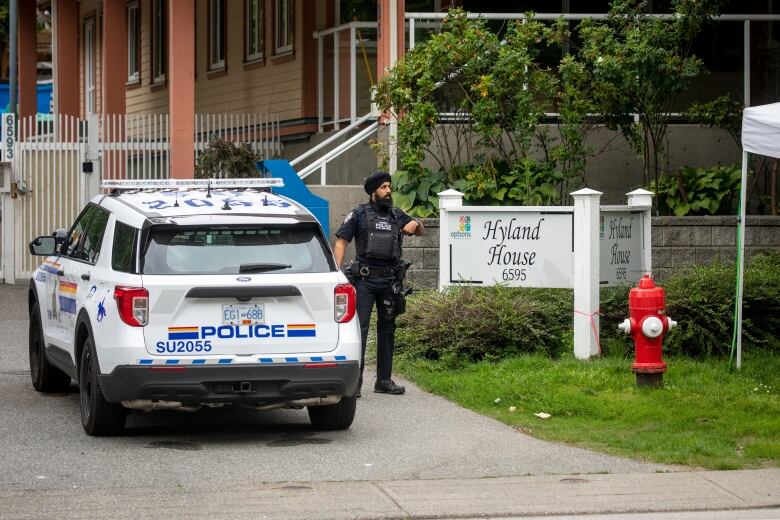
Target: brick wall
column 423, row 252
column 677, row 242
column 683, row 241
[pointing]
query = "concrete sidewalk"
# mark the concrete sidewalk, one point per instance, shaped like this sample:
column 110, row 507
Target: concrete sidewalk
column 456, row 498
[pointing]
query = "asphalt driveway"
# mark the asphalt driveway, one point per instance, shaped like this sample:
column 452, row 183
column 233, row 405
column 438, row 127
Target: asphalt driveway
column 415, row 436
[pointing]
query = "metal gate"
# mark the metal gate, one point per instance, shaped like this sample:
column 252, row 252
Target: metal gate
column 59, row 161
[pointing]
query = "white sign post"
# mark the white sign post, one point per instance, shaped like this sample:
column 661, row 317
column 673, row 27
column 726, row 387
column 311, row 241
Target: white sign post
column 586, row 273
column 582, row 247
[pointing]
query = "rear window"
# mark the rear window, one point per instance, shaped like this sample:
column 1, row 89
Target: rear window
column 294, row 248
column 124, row 248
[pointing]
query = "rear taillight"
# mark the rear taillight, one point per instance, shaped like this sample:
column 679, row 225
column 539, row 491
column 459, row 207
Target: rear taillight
column 344, row 303
column 133, row 305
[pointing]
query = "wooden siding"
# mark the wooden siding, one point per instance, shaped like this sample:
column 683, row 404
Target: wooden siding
column 273, row 86
column 145, row 97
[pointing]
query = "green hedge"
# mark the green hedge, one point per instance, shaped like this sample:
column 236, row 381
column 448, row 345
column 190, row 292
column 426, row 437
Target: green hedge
column 466, row 323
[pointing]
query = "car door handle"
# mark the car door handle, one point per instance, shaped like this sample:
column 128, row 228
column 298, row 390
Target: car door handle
column 60, row 272
column 85, row 276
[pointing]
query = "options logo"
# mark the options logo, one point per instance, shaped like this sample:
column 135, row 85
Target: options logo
column 464, row 227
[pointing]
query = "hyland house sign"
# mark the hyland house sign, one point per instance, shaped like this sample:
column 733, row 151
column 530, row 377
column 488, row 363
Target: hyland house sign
column 515, row 246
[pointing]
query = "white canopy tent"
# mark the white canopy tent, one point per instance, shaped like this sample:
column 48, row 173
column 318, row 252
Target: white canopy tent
column 760, row 135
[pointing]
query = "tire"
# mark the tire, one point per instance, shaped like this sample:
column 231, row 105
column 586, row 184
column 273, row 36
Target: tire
column 98, row 417
column 337, row 416
column 45, row 377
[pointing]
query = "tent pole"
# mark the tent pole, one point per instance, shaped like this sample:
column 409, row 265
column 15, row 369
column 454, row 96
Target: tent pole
column 741, row 254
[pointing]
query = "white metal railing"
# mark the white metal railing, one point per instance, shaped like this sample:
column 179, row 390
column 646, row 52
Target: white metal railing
column 261, row 131
column 353, row 33
column 433, row 21
column 52, row 155
column 321, row 163
column 349, row 37
column 335, row 137
column 137, row 146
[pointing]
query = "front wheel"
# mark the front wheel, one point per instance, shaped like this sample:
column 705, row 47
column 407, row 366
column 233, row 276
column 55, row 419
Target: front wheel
column 45, row 377
column 98, row 417
column 337, row 416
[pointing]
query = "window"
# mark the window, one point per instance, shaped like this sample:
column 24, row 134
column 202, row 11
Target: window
column 216, row 34
column 159, row 40
column 89, row 65
column 123, row 251
column 283, row 33
column 86, row 235
column 272, row 249
column 255, row 35
column 133, row 42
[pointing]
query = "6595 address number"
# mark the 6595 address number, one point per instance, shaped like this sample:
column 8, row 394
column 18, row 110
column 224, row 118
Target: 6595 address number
column 513, row 275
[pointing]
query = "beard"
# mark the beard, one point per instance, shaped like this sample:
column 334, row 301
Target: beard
column 385, row 202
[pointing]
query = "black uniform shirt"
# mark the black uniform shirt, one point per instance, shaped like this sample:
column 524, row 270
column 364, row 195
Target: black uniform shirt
column 356, row 226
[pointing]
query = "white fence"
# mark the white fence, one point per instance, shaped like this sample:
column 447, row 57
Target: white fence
column 57, row 163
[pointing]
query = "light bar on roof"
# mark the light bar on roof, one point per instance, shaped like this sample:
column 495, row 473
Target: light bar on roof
column 161, row 184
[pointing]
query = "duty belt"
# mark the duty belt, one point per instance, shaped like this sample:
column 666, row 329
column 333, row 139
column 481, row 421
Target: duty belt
column 369, row 270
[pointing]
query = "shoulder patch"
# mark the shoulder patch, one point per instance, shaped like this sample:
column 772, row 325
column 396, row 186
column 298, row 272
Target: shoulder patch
column 348, row 217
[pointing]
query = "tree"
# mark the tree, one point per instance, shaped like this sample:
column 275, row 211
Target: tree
column 226, row 159
column 497, row 90
column 636, row 63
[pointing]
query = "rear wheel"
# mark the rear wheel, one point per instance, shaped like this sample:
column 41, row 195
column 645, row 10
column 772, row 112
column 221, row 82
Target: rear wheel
column 337, row 416
column 45, row 377
column 98, row 417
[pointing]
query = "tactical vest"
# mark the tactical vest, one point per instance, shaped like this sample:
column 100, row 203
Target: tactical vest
column 383, row 238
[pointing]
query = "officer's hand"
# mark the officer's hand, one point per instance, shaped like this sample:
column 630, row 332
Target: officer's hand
column 411, row 228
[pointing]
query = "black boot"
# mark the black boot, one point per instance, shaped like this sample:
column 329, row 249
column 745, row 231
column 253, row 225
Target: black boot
column 388, row 386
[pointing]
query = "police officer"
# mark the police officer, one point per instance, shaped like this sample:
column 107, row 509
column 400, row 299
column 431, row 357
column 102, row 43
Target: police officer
column 377, row 270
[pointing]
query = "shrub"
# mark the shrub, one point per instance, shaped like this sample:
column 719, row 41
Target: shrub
column 710, row 191
column 469, row 324
column 701, row 300
column 226, row 159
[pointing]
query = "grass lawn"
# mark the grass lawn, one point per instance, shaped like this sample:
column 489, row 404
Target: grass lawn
column 704, row 416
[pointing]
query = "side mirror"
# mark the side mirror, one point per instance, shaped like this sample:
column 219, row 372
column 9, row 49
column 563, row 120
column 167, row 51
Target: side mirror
column 43, row 246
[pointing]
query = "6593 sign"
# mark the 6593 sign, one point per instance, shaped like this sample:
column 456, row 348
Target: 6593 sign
column 9, row 136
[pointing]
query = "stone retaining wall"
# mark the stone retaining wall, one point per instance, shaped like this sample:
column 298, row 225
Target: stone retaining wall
column 677, row 242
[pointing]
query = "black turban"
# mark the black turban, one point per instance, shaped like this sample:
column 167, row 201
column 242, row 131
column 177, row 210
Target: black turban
column 375, row 180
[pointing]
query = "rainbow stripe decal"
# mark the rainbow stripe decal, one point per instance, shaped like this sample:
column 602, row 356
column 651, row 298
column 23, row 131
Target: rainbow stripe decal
column 50, row 267
column 183, row 333
column 67, row 297
column 301, row 330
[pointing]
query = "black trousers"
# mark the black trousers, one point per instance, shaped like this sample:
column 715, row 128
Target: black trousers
column 371, row 291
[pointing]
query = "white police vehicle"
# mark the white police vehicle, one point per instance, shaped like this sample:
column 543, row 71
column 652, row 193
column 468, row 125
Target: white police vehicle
column 183, row 294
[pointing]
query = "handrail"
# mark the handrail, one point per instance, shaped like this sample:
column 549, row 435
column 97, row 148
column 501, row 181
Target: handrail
column 335, row 137
column 584, row 16
column 344, row 26
column 322, row 162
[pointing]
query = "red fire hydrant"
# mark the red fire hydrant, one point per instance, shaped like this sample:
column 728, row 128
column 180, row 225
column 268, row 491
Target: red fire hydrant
column 647, row 325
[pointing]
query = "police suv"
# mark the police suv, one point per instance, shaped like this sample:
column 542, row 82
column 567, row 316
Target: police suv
column 189, row 293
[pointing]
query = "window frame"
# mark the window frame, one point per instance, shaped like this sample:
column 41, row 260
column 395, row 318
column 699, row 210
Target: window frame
column 133, row 42
column 159, row 51
column 86, row 218
column 288, row 47
column 259, row 30
column 217, row 40
column 119, row 225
